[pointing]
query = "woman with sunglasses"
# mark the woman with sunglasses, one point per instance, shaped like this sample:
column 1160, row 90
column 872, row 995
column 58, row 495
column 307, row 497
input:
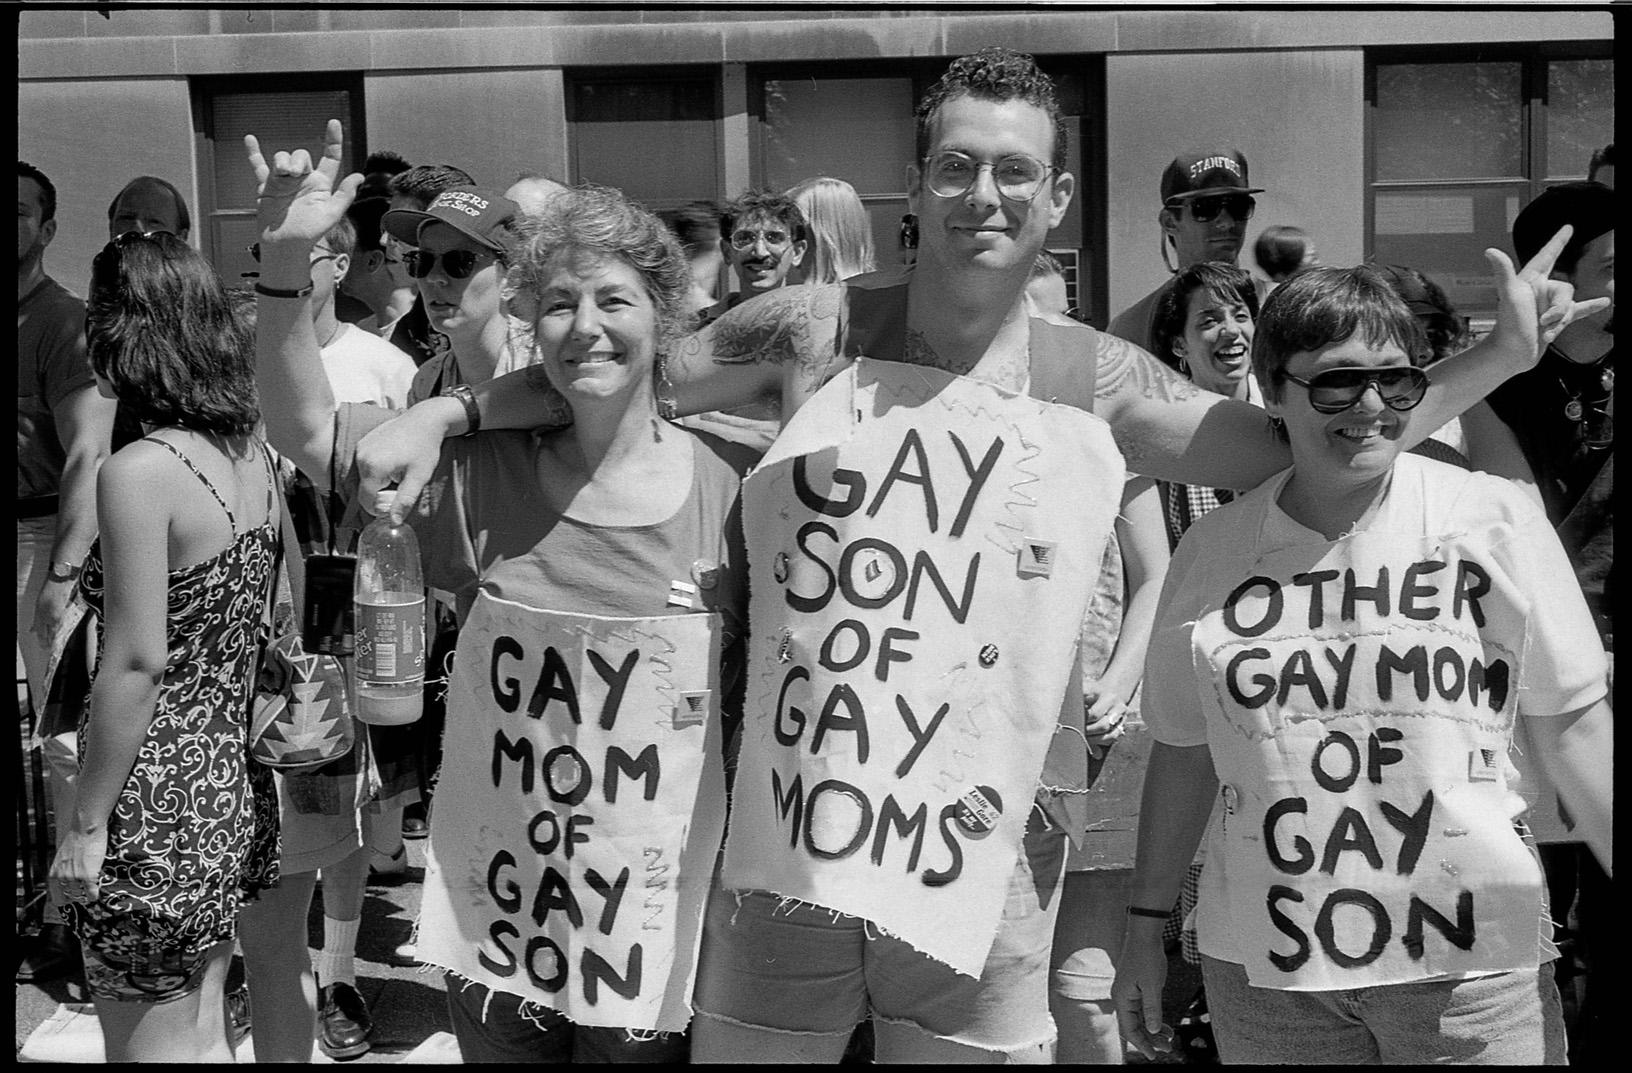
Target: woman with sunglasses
column 172, row 827
column 1340, row 658
column 617, row 527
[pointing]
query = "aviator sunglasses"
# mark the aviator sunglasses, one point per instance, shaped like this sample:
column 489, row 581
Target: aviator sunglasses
column 1206, row 209
column 1335, row 390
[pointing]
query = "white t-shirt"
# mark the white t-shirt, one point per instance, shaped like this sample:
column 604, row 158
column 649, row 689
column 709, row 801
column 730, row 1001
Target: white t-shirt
column 1358, row 698
column 365, row 368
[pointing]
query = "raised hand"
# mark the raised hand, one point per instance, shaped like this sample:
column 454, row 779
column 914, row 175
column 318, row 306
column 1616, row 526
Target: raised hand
column 1532, row 308
column 296, row 201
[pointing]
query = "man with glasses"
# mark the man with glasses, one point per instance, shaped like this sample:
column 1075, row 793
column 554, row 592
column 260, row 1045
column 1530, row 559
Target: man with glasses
column 1206, row 203
column 786, row 975
column 416, row 188
column 762, row 235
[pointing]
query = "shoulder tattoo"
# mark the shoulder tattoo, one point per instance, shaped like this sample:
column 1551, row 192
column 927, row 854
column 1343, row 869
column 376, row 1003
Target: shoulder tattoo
column 1124, row 370
column 790, row 325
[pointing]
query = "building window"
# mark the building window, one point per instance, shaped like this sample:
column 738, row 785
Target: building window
column 655, row 136
column 228, row 108
column 1459, row 146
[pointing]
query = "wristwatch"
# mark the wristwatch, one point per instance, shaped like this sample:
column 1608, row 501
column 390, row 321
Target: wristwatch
column 63, row 571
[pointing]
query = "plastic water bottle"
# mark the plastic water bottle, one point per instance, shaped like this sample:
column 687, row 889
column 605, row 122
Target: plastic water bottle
column 390, row 598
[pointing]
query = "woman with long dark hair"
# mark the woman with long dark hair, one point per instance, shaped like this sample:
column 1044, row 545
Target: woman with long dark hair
column 173, row 828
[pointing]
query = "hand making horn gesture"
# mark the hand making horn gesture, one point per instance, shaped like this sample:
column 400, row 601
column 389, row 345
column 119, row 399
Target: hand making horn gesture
column 1532, row 307
column 297, row 203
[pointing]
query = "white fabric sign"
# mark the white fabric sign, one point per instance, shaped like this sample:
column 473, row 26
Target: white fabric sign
column 579, row 813
column 922, row 548
column 1360, row 700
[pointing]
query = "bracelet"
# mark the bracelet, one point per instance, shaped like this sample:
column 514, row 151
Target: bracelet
column 467, row 399
column 63, row 571
column 278, row 292
column 1141, row 911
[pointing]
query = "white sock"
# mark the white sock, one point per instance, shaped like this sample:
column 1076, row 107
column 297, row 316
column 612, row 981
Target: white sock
column 335, row 963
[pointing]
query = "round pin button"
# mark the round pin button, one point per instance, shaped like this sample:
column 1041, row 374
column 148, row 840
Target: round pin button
column 988, row 655
column 705, row 573
column 978, row 810
column 779, row 567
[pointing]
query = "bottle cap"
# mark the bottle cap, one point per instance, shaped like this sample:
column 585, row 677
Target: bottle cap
column 383, row 500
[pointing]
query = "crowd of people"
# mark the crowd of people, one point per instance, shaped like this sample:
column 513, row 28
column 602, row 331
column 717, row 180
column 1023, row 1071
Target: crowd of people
column 776, row 635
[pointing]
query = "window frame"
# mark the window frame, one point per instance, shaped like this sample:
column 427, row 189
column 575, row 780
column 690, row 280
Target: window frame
column 1533, row 60
column 203, row 90
column 573, row 77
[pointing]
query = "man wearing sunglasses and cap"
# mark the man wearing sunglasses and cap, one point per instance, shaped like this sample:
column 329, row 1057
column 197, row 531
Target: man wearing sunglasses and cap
column 1206, row 203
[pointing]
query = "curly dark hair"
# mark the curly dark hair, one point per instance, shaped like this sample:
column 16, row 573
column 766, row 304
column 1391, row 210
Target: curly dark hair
column 1225, row 283
column 1446, row 329
column 994, row 74
column 161, row 329
column 779, row 207
column 1322, row 306
column 424, row 181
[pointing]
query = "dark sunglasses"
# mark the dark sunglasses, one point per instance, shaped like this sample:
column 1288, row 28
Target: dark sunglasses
column 1206, row 209
column 458, row 264
column 1335, row 390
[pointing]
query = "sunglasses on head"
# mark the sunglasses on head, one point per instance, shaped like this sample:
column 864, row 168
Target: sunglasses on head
column 1334, row 390
column 745, row 238
column 458, row 264
column 1206, row 209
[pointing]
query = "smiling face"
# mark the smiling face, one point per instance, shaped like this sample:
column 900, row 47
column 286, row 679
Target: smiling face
column 980, row 228
column 1357, row 444
column 1217, row 343
column 458, row 308
column 596, row 330
column 763, row 265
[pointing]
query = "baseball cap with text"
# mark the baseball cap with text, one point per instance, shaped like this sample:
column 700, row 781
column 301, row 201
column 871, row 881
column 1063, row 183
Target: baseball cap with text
column 1199, row 172
column 475, row 212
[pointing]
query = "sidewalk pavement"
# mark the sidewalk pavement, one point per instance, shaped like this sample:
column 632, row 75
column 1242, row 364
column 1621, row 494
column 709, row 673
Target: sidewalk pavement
column 56, row 1022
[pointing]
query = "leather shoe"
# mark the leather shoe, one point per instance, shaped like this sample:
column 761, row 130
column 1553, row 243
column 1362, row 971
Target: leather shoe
column 343, row 1020
column 238, row 1017
column 414, row 824
column 51, row 955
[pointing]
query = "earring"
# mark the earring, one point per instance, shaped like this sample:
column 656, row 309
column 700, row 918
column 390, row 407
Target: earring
column 909, row 232
column 1277, row 428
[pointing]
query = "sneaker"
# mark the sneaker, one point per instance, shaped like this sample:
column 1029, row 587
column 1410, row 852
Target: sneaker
column 343, row 1021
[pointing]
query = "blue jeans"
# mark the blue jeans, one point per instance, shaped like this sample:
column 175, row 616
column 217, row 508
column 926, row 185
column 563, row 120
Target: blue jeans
column 491, row 1026
column 774, row 967
column 1509, row 1018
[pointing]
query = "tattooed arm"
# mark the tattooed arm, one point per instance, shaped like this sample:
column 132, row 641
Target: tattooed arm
column 1171, row 429
column 784, row 343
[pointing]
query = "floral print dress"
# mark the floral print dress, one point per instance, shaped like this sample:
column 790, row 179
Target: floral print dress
column 195, row 829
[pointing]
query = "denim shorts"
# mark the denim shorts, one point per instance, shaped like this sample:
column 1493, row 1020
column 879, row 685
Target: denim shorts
column 783, row 965
column 1506, row 1018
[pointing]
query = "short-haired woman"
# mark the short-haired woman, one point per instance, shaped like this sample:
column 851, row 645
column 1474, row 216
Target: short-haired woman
column 1340, row 659
column 172, row 828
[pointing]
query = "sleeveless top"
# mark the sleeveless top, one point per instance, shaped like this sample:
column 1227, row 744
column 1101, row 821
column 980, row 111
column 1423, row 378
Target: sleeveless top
column 873, row 322
column 194, row 832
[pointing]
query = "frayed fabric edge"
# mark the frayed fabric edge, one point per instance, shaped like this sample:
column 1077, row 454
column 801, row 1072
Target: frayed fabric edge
column 868, row 926
column 723, row 1019
column 1043, row 1041
column 535, row 1012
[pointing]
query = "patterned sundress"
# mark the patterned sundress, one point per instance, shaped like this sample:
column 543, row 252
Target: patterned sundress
column 195, row 830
